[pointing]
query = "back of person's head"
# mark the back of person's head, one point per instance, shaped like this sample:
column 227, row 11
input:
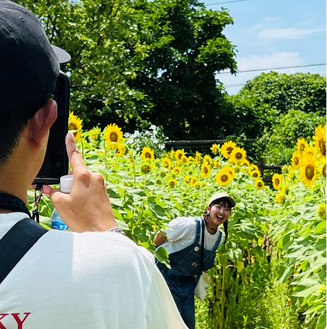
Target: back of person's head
column 29, row 67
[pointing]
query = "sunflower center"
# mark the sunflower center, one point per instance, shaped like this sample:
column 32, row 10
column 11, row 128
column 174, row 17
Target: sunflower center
column 72, row 127
column 296, row 161
column 113, row 137
column 238, row 156
column 224, row 178
column 309, row 172
column 322, row 147
column 229, row 150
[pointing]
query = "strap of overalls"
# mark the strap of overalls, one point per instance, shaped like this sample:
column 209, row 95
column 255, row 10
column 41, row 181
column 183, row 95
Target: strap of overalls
column 202, row 244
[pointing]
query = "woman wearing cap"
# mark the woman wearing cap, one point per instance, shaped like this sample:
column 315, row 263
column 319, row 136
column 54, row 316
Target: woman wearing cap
column 183, row 242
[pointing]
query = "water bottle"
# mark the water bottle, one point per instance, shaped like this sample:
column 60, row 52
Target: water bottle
column 66, row 183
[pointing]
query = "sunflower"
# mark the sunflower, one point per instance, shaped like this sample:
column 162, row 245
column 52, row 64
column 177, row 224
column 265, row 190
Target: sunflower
column 296, row 159
column 254, row 167
column 205, row 170
column 214, row 149
column 187, row 180
column 193, row 180
column 308, row 173
column 146, row 168
column 231, row 171
column 245, row 163
column 177, row 170
column 95, row 134
column 178, row 155
column 147, row 153
column 280, row 198
column 207, row 160
column 227, row 149
column 197, row 157
column 172, row 182
column 255, row 174
column 310, row 151
column 259, row 184
column 301, row 144
column 322, row 211
column 113, row 134
column 162, row 173
column 320, row 139
column 184, row 159
column 120, row 150
column 277, row 180
column 166, row 163
column 237, row 155
column 75, row 125
column 172, row 154
column 322, row 166
column 216, row 164
column 224, row 177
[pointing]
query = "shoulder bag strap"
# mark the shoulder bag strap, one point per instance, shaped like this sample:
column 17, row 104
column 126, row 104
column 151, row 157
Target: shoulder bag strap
column 16, row 242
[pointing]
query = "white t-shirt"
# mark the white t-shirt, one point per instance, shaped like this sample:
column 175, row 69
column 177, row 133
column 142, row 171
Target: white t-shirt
column 181, row 234
column 71, row 280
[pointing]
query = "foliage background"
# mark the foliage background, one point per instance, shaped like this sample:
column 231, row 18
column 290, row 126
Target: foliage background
column 141, row 63
column 271, row 273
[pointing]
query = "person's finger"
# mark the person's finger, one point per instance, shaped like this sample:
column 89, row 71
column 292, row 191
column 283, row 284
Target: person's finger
column 46, row 189
column 75, row 158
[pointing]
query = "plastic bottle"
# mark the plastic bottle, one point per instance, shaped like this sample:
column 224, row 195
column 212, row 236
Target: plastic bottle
column 66, row 183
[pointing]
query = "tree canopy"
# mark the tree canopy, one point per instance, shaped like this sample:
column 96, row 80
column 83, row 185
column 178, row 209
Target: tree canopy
column 142, row 62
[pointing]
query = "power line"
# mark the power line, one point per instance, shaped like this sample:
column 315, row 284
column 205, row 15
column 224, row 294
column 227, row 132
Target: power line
column 220, row 3
column 276, row 68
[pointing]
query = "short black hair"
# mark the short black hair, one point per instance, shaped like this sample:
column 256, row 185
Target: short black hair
column 13, row 122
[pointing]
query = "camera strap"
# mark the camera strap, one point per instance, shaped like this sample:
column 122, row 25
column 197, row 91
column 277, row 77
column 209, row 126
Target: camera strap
column 21, row 237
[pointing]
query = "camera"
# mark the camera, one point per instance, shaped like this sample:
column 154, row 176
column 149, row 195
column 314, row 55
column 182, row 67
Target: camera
column 55, row 163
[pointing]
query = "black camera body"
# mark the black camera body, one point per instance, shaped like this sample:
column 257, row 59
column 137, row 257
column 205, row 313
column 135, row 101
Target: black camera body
column 55, row 163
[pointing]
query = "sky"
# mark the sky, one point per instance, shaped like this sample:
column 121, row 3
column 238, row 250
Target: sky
column 274, row 34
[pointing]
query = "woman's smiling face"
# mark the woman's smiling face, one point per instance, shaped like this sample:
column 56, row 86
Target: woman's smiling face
column 219, row 213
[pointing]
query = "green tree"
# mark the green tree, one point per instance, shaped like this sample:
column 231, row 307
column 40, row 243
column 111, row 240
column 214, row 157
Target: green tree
column 99, row 36
column 276, row 146
column 276, row 109
column 268, row 95
column 141, row 62
column 187, row 48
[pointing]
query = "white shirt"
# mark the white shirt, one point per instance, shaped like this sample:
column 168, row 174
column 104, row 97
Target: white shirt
column 89, row 280
column 181, row 233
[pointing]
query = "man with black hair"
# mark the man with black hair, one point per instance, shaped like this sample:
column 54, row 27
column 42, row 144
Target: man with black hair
column 92, row 277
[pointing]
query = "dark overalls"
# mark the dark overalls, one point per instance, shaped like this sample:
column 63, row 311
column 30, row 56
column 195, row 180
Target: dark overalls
column 185, row 269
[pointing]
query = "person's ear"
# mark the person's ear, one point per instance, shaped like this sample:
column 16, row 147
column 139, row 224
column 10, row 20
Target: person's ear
column 41, row 122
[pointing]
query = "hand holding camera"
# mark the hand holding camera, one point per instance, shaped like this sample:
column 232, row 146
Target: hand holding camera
column 87, row 207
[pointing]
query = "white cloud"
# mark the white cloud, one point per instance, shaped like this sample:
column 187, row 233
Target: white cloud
column 277, row 59
column 287, row 33
column 257, row 64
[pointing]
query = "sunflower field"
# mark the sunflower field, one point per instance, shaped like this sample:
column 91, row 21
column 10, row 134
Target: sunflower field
column 271, row 273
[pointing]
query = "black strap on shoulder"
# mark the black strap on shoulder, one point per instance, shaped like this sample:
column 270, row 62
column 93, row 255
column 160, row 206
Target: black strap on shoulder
column 202, row 245
column 16, row 242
